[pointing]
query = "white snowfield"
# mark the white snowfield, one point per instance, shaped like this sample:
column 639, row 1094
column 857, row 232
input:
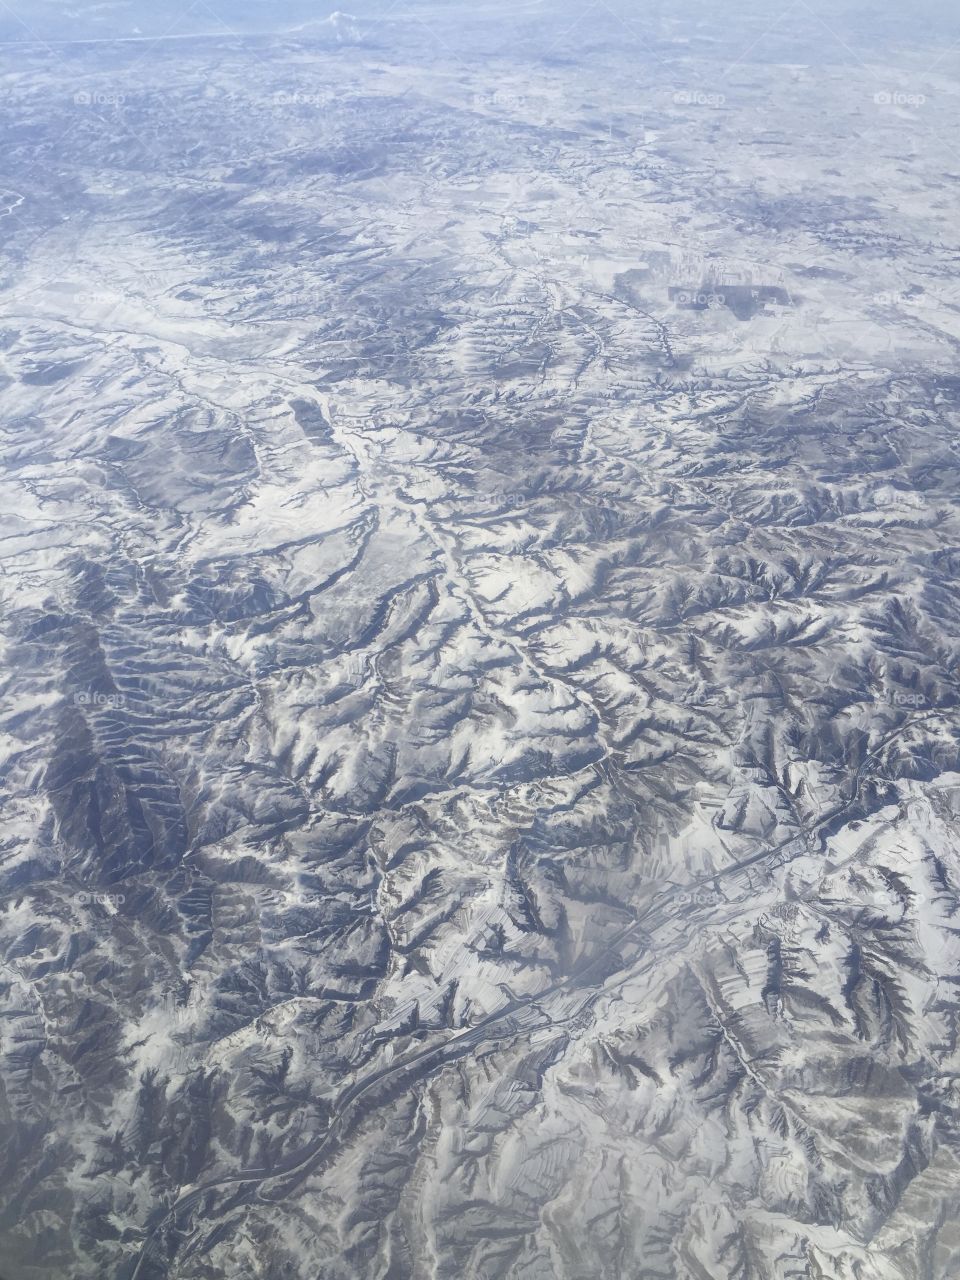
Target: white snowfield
column 480, row 535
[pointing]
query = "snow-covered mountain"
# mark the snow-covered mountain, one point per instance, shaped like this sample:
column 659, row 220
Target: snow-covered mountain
column 481, row 659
